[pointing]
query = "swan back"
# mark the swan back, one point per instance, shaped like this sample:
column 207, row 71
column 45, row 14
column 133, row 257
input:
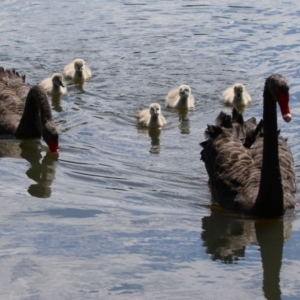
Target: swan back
column 247, row 131
column 13, row 84
column 229, row 165
column 13, row 93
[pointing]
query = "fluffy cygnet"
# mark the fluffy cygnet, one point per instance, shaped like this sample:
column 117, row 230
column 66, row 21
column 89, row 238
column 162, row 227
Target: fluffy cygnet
column 236, row 95
column 180, row 97
column 77, row 70
column 151, row 117
column 54, row 85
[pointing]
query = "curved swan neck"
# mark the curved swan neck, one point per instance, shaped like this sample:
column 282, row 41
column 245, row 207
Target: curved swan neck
column 45, row 110
column 30, row 123
column 269, row 202
column 36, row 114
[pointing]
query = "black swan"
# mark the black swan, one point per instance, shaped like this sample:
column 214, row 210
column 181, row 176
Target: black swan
column 259, row 180
column 25, row 112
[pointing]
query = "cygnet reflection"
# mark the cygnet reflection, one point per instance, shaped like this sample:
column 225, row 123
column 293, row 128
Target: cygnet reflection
column 154, row 134
column 56, row 103
column 184, row 123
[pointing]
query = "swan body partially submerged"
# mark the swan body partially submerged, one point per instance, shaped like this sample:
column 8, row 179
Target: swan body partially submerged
column 25, row 111
column 259, row 179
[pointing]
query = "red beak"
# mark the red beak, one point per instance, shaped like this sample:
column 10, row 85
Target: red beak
column 283, row 101
column 53, row 146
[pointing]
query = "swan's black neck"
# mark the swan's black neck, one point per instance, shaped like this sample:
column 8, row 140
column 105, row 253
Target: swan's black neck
column 269, row 202
column 36, row 113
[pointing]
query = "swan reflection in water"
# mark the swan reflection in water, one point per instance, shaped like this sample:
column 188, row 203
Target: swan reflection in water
column 154, row 134
column 41, row 171
column 226, row 238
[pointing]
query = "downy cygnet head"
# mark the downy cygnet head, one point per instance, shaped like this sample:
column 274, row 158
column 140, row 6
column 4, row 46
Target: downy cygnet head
column 184, row 90
column 57, row 80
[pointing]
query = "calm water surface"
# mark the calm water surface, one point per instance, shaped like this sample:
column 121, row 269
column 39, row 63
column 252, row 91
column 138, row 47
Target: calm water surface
column 124, row 214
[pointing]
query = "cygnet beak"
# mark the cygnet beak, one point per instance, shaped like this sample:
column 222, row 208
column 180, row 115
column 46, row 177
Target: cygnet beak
column 156, row 112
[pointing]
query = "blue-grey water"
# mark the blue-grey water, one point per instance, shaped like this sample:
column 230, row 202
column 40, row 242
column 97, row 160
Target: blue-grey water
column 122, row 214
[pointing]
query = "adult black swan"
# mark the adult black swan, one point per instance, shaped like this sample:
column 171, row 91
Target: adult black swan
column 259, row 180
column 24, row 111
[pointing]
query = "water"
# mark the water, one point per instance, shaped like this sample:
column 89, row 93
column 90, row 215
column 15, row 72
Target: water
column 121, row 214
